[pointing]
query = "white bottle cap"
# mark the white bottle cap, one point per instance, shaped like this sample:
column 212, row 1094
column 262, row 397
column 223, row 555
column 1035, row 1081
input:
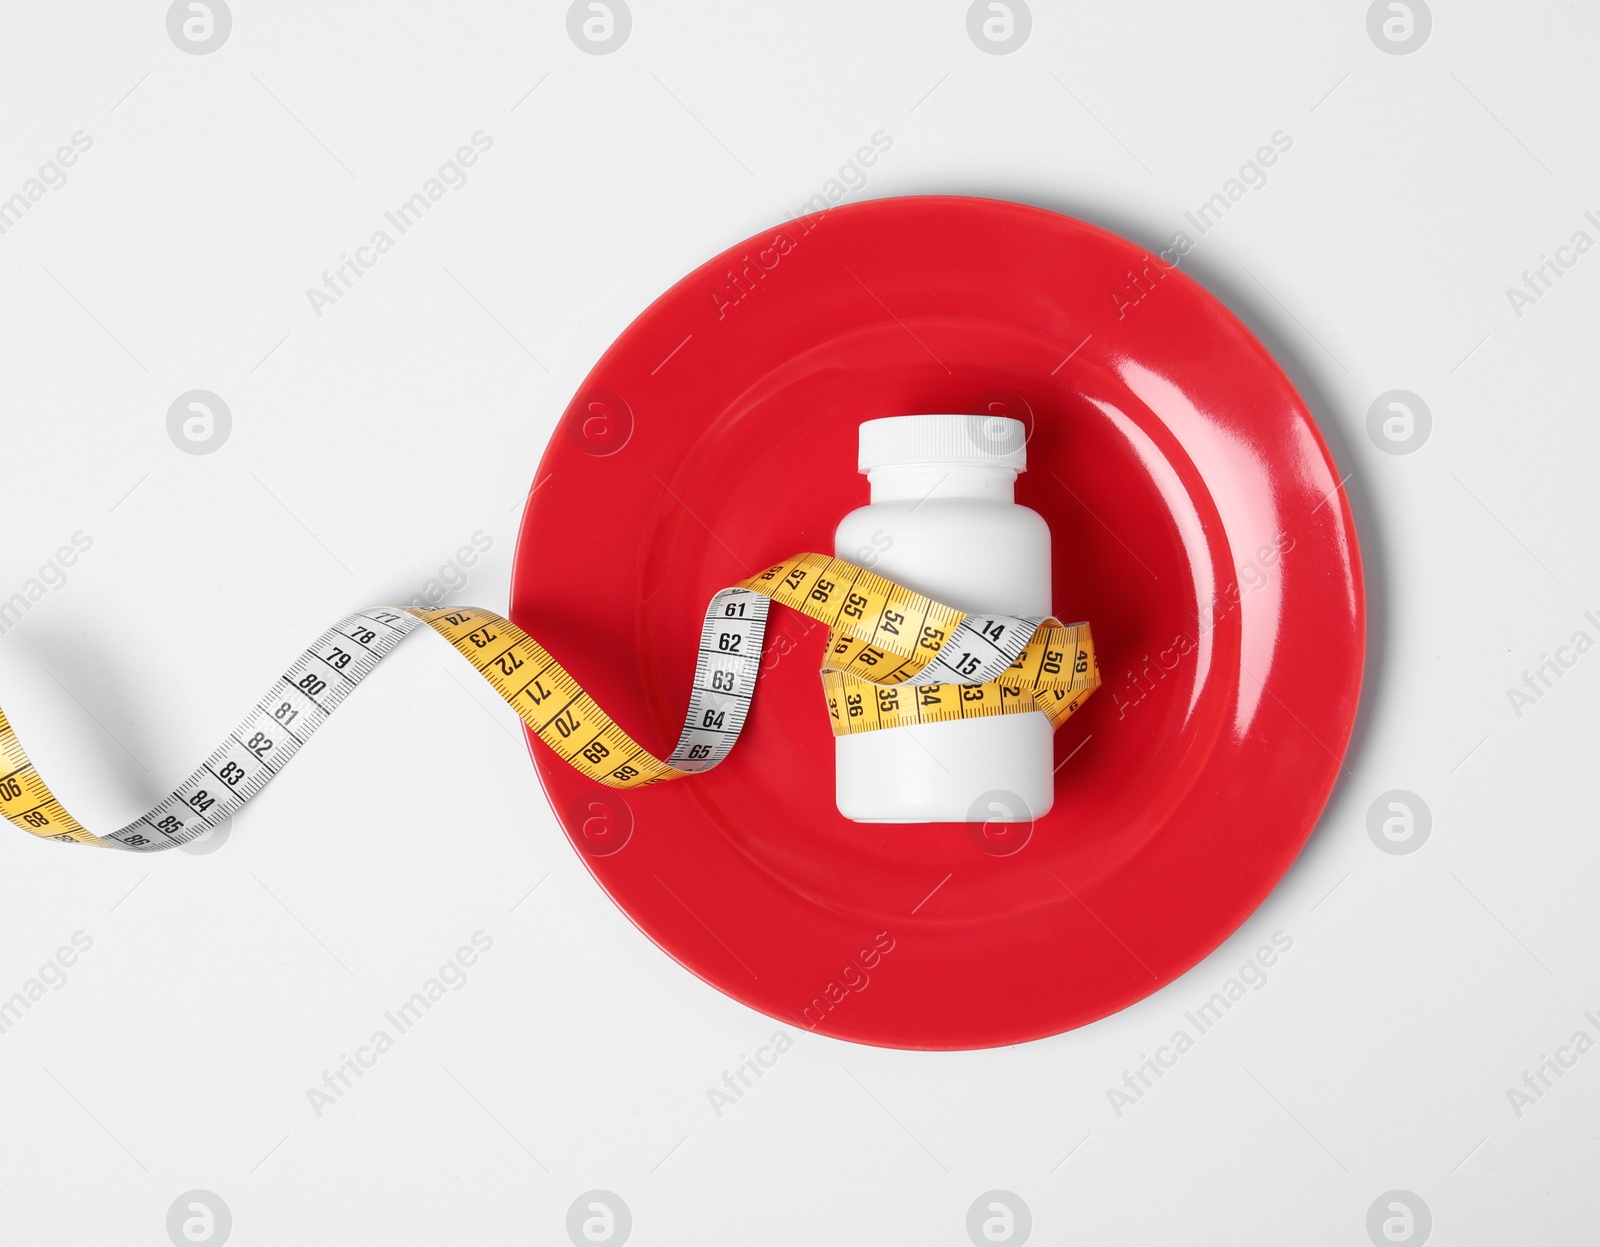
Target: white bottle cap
column 987, row 441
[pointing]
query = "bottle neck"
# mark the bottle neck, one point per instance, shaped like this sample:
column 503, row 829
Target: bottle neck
column 921, row 482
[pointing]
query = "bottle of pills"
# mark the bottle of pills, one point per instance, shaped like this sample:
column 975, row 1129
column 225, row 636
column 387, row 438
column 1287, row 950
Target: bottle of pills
column 943, row 520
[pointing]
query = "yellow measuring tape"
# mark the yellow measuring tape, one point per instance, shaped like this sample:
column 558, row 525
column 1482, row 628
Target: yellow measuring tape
column 894, row 658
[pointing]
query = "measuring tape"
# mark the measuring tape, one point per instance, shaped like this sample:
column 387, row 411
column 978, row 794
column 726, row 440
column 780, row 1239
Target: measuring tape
column 894, row 658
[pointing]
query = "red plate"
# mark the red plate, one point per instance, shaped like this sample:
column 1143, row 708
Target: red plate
column 1198, row 525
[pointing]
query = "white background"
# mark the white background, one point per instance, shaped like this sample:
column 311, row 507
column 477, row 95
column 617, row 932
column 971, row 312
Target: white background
column 372, row 441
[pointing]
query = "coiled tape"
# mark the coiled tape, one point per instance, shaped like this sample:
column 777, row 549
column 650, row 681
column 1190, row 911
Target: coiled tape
column 894, row 658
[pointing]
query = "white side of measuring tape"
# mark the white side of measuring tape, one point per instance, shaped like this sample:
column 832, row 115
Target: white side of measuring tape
column 272, row 733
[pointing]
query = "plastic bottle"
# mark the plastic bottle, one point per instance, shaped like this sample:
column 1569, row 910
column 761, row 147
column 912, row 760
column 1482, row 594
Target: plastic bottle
column 943, row 520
